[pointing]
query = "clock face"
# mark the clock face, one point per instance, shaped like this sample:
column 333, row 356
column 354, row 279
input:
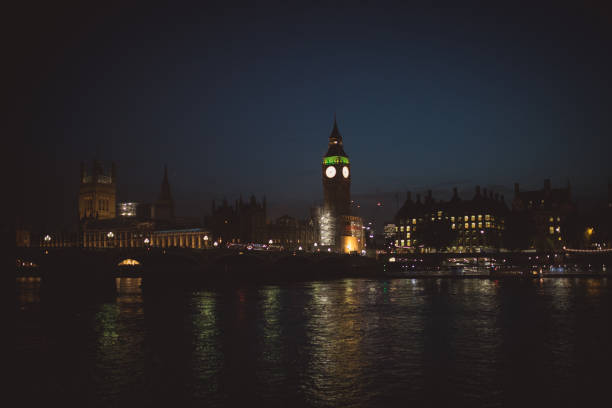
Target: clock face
column 330, row 171
column 345, row 172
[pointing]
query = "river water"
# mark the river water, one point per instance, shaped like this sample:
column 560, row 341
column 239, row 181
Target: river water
column 349, row 343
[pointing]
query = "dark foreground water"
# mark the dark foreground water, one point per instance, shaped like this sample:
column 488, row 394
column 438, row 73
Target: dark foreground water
column 349, row 343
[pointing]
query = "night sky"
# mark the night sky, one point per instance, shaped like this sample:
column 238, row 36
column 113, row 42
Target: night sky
column 240, row 100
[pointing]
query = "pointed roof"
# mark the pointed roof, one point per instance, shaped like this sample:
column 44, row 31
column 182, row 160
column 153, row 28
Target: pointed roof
column 165, row 194
column 335, row 142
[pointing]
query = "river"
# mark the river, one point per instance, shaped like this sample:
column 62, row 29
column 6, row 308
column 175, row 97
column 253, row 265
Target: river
column 349, row 343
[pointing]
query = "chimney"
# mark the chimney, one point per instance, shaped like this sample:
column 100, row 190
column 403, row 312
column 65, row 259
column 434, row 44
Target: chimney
column 547, row 184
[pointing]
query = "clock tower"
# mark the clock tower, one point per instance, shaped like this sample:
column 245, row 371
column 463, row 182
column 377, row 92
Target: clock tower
column 336, row 176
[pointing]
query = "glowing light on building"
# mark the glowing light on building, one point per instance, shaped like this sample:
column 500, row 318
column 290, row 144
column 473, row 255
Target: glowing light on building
column 129, row 262
column 127, row 209
column 328, row 228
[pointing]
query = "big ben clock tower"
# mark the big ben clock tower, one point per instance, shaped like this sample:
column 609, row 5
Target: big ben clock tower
column 336, row 176
column 338, row 229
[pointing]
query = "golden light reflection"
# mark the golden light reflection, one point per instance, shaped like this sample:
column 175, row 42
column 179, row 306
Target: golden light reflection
column 335, row 331
column 128, row 262
column 207, row 357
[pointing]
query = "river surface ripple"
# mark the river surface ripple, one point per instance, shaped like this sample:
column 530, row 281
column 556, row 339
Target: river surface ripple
column 349, row 343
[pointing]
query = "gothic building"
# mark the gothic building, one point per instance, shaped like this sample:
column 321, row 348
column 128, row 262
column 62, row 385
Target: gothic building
column 338, row 229
column 97, row 192
column 548, row 210
column 164, row 206
column 242, row 223
column 475, row 225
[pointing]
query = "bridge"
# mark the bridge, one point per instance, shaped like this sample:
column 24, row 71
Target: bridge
column 187, row 266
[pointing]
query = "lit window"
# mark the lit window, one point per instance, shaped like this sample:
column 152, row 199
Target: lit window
column 551, row 230
column 396, row 229
column 453, row 226
column 551, row 219
column 433, row 218
column 473, row 225
column 480, row 225
column 473, row 218
column 487, row 217
column 407, row 227
column 488, row 224
column 402, row 228
column 452, row 219
column 396, row 242
column 413, row 221
column 439, row 213
column 407, row 235
column 466, row 218
column 402, row 242
column 479, row 217
column 467, row 225
column 558, row 219
column 408, row 243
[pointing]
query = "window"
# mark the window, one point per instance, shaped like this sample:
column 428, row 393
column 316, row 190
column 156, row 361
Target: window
column 551, row 219
column 480, row 225
column 407, row 227
column 551, row 230
column 473, row 225
column 439, row 214
column 488, row 224
column 407, row 235
column 452, row 219
column 466, row 218
column 487, row 217
column 479, row 217
column 408, row 242
column 467, row 225
column 453, row 226
column 396, row 242
column 402, row 228
column 413, row 221
column 402, row 242
column 473, row 218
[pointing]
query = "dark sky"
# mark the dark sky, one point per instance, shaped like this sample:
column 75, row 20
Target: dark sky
column 241, row 99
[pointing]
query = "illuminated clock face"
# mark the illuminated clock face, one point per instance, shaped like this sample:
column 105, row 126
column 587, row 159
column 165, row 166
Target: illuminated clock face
column 345, row 172
column 330, row 171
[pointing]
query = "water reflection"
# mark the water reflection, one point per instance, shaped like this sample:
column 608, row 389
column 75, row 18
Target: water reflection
column 207, row 358
column 358, row 342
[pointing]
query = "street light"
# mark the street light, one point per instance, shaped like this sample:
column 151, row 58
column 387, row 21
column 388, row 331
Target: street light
column 270, row 242
column 146, row 241
column 110, row 235
column 47, row 238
